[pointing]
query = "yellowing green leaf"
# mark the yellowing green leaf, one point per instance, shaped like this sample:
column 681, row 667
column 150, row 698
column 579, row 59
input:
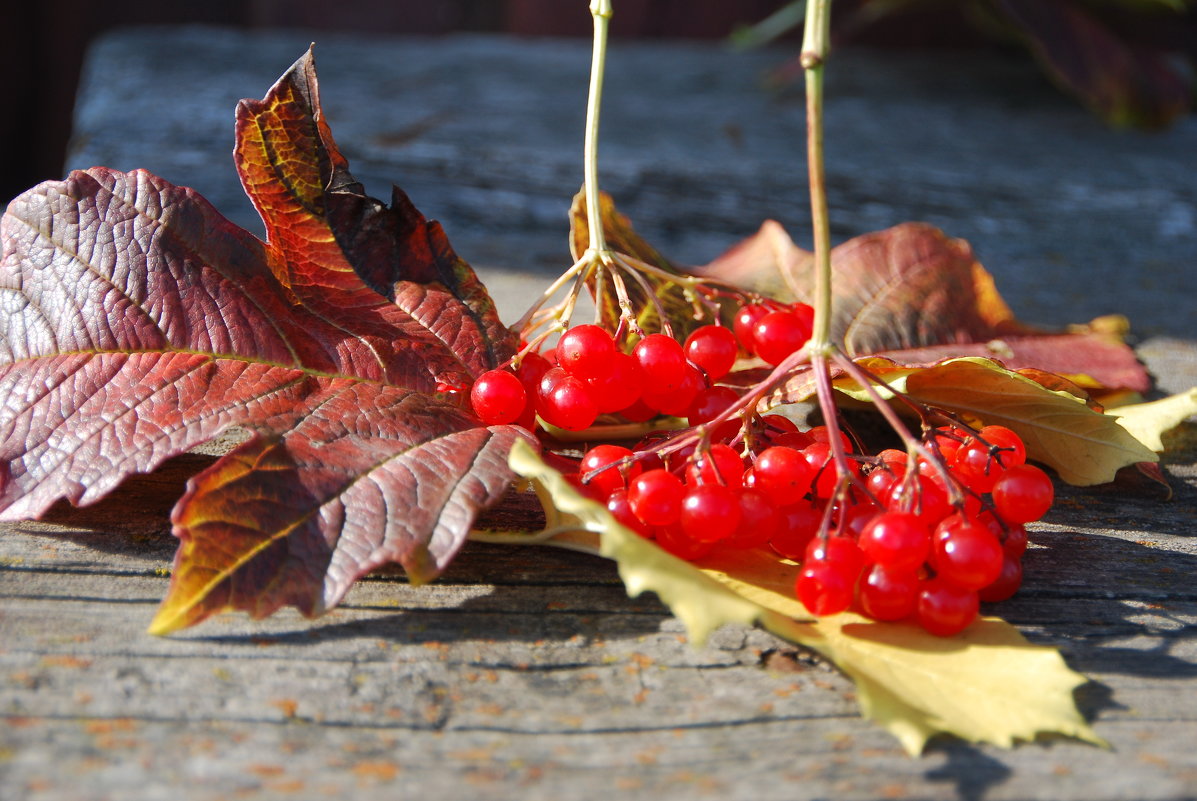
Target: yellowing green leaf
column 1147, row 422
column 987, row 684
column 1084, row 446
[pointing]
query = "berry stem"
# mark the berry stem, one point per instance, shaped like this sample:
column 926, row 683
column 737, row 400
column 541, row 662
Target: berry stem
column 815, row 46
column 600, row 11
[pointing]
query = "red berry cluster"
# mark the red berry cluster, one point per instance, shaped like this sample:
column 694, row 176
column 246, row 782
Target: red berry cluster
column 898, row 548
column 919, row 541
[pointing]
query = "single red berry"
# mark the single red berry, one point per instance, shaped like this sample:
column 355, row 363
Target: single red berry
column 783, row 474
column 621, row 510
column 1023, row 494
column 778, row 334
column 586, row 351
column 532, row 368
column 945, row 609
column 713, row 348
column 620, row 387
column 1014, row 540
column 565, row 401
column 779, row 424
column 498, row 397
column 898, row 540
column 1010, row 448
column 759, row 521
column 796, row 529
column 841, row 550
column 966, row 553
column 718, row 464
column 746, row 319
column 677, row 398
column 825, row 587
column 656, row 497
column 609, row 457
column 674, row 540
column 710, row 512
column 1007, row 582
column 663, row 361
column 888, row 594
column 638, row 412
column 709, row 404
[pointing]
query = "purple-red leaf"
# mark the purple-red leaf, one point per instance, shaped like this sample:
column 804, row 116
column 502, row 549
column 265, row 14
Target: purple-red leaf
column 138, row 323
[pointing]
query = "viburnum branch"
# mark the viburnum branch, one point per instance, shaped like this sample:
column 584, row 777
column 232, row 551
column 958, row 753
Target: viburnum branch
column 600, row 11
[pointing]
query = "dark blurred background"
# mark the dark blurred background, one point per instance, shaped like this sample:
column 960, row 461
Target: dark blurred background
column 1078, row 42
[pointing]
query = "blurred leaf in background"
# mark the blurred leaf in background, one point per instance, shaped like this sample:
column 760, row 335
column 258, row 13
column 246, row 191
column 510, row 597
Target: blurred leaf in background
column 1133, row 62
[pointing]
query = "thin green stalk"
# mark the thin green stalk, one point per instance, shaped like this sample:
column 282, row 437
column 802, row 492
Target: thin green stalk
column 815, row 46
column 601, row 11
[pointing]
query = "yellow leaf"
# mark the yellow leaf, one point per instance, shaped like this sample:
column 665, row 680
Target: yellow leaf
column 1147, row 422
column 987, row 684
column 1083, row 446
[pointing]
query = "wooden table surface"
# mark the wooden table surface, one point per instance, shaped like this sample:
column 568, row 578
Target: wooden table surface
column 528, row 673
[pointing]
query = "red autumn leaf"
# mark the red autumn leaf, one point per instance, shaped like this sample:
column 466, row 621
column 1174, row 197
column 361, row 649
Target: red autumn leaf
column 139, row 323
column 916, row 296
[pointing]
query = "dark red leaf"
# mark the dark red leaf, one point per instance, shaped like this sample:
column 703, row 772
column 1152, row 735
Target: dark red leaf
column 139, row 323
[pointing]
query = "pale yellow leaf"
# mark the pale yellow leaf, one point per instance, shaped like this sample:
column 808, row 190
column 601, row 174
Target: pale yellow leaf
column 1148, row 422
column 1083, row 446
column 987, row 684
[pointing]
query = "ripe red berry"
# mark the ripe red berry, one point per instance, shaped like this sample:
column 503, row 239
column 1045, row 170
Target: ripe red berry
column 796, row 529
column 759, row 520
column 710, row 512
column 498, row 397
column 1007, row 582
column 825, row 587
column 621, row 510
column 945, row 609
column 888, row 594
column 565, row 401
column 656, row 497
column 783, row 474
column 674, row 540
column 608, row 456
column 713, row 348
column 676, row 398
column 718, row 464
column 663, row 361
column 746, row 319
column 586, row 351
column 966, row 553
column 620, row 387
column 898, row 540
column 778, row 334
column 1023, row 494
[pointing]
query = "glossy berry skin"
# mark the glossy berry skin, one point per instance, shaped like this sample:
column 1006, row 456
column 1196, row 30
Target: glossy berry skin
column 718, row 464
column 620, row 387
column 565, row 401
column 825, row 587
column 945, row 609
column 612, row 478
column 746, row 319
column 676, row 398
column 621, row 510
column 778, row 334
column 710, row 513
column 498, row 397
column 674, row 540
column 759, row 521
column 1007, row 582
column 967, row 554
column 656, row 497
column 841, row 550
column 713, row 348
column 709, row 404
column 586, row 351
column 898, row 540
column 1023, row 494
column 796, row 528
column 663, row 362
column 783, row 474
column 888, row 594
